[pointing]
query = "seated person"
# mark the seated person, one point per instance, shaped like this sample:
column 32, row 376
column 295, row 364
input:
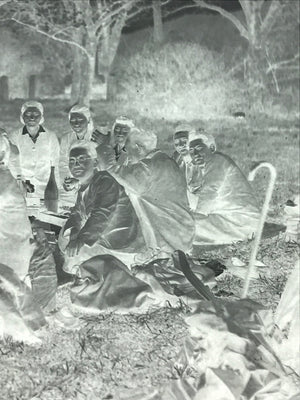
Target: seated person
column 226, row 210
column 191, row 172
column 38, row 149
column 157, row 190
column 103, row 220
column 120, row 131
column 15, row 229
column 82, row 128
column 181, row 143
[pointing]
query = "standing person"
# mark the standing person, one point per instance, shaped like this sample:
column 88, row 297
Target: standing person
column 226, row 209
column 38, row 149
column 157, row 190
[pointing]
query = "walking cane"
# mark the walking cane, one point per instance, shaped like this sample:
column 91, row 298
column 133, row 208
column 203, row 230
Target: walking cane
column 262, row 219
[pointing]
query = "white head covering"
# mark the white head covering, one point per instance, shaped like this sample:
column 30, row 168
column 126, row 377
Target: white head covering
column 84, row 110
column 206, row 138
column 147, row 139
column 4, row 150
column 84, row 144
column 183, row 130
column 122, row 120
column 32, row 103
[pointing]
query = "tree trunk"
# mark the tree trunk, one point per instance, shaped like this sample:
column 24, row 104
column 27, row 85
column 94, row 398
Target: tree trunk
column 256, row 78
column 158, row 34
column 76, row 75
column 106, row 54
column 87, row 79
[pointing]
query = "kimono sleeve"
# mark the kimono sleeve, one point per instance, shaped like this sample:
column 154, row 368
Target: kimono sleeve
column 105, row 198
column 14, row 159
column 212, row 191
column 134, row 177
column 64, row 171
column 74, row 220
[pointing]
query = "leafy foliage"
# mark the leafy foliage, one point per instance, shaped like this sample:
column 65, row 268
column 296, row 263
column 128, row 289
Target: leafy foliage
column 178, row 80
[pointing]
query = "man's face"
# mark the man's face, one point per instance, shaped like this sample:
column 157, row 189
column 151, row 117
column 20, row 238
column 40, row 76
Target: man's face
column 78, row 123
column 120, row 133
column 199, row 152
column 32, row 116
column 181, row 145
column 81, row 164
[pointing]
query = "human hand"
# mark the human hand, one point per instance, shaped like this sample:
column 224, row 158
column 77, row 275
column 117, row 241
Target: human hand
column 101, row 137
column 29, row 187
column 70, row 184
column 74, row 247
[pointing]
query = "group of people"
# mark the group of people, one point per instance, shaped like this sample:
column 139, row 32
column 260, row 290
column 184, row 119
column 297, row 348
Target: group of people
column 129, row 199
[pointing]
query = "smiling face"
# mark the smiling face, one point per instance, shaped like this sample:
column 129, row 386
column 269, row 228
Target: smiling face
column 81, row 164
column 78, row 123
column 200, row 153
column 32, row 117
column 120, row 133
column 181, row 145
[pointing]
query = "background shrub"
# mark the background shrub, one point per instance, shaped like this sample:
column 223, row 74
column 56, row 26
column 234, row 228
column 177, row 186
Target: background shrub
column 178, row 81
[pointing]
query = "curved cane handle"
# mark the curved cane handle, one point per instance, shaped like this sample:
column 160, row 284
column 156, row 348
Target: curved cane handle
column 264, row 211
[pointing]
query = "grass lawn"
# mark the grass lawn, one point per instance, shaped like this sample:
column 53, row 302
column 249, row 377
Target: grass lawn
column 115, row 356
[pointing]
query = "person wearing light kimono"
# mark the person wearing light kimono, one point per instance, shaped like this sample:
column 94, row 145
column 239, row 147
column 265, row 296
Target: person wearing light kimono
column 157, row 190
column 38, row 149
column 226, row 209
column 15, row 228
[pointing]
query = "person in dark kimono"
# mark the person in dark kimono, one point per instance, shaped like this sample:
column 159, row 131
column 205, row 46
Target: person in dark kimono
column 226, row 210
column 103, row 220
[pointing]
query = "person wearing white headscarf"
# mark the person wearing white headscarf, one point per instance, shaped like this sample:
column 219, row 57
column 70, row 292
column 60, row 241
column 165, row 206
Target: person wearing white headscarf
column 38, row 149
column 120, row 130
column 82, row 129
column 226, row 210
column 15, row 229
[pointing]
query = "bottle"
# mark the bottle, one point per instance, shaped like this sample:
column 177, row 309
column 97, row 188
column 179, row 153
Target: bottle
column 51, row 193
column 20, row 185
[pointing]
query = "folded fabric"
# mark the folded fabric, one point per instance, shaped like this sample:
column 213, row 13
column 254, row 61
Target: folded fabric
column 20, row 315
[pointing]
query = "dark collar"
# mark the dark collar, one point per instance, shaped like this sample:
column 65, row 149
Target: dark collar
column 34, row 139
column 25, row 130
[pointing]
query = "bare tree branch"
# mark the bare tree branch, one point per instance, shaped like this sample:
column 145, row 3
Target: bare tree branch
column 237, row 23
column 179, row 9
column 66, row 41
column 3, row 2
column 270, row 17
column 285, row 64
